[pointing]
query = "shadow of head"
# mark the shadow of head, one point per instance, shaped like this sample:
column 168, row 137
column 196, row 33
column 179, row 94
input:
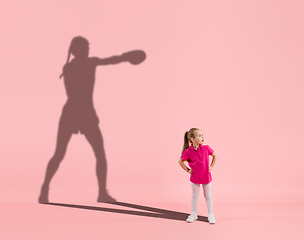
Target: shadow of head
column 79, row 47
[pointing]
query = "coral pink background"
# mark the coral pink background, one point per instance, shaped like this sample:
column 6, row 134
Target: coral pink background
column 234, row 69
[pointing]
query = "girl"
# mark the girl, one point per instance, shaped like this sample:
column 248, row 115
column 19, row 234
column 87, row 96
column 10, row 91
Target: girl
column 197, row 155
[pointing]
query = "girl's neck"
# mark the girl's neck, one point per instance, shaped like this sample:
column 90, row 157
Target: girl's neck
column 195, row 146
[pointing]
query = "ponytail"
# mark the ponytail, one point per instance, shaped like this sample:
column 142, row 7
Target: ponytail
column 69, row 55
column 186, row 142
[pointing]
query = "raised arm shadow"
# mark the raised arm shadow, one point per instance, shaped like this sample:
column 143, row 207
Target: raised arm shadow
column 134, row 57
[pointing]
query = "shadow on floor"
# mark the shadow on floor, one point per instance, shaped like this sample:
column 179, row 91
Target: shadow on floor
column 151, row 212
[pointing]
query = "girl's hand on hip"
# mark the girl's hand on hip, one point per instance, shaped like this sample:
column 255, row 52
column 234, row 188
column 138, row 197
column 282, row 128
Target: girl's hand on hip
column 210, row 169
column 190, row 171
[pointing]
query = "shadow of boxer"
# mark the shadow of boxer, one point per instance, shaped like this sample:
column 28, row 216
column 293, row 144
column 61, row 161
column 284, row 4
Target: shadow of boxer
column 78, row 114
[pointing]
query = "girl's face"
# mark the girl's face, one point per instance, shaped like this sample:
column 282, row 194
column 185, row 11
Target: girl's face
column 199, row 138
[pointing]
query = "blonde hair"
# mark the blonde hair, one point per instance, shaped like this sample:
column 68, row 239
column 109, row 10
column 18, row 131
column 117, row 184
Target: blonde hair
column 187, row 137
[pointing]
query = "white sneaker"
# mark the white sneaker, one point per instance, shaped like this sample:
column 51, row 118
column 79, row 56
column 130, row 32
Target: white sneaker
column 211, row 218
column 191, row 218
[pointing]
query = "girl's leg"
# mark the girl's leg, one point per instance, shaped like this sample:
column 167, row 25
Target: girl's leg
column 194, row 199
column 207, row 194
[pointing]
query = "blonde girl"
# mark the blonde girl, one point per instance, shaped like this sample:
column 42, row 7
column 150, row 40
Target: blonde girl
column 197, row 156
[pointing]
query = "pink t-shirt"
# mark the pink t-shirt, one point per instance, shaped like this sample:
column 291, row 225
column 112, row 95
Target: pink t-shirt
column 199, row 162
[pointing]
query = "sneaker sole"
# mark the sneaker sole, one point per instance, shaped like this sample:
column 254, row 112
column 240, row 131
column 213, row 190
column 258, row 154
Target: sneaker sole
column 211, row 222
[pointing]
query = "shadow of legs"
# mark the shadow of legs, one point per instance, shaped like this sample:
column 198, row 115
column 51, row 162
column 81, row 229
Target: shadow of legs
column 63, row 139
column 152, row 212
column 94, row 137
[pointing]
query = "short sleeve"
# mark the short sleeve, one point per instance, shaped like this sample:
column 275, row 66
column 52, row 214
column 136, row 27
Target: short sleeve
column 210, row 150
column 185, row 155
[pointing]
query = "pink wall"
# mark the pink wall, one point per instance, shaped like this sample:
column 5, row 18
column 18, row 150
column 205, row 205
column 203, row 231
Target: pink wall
column 234, row 69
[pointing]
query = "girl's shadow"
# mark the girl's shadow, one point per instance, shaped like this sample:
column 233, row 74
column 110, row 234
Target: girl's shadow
column 78, row 114
column 151, row 212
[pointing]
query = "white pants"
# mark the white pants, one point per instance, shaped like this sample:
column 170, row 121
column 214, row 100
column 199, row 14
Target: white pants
column 207, row 194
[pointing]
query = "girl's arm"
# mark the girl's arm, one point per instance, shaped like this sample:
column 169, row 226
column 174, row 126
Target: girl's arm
column 181, row 163
column 214, row 159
